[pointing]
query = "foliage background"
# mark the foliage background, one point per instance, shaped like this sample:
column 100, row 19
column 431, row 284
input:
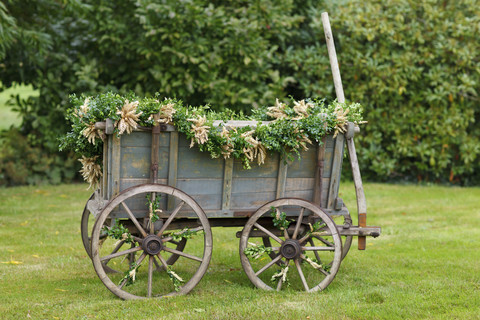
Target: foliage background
column 413, row 65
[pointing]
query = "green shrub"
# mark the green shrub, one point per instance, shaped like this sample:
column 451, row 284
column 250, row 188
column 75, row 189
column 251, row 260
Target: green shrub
column 414, row 65
column 20, row 163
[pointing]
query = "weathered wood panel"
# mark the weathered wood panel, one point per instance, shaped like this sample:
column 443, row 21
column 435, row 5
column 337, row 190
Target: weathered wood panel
column 227, row 183
column 136, row 162
column 267, row 170
column 281, row 178
column 336, row 170
column 303, row 167
column 251, row 200
column 219, row 189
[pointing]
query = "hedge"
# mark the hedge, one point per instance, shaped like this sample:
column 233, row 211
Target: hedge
column 414, row 66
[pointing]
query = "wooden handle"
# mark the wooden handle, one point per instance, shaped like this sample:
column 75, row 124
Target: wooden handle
column 332, row 54
column 337, row 80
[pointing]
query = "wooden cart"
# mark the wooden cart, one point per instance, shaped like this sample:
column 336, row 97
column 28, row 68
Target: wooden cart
column 295, row 228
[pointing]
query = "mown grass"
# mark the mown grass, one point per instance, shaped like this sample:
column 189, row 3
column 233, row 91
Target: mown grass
column 10, row 117
column 426, row 264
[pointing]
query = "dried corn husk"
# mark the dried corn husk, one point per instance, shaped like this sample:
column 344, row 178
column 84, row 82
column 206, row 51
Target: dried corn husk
column 257, row 149
column 301, row 108
column 199, row 130
column 303, row 139
column 166, row 113
column 277, row 111
column 227, row 148
column 129, row 117
column 91, row 171
column 342, row 121
column 90, row 133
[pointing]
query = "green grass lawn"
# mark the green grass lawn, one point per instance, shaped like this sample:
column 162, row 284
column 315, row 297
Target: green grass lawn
column 426, row 264
column 8, row 116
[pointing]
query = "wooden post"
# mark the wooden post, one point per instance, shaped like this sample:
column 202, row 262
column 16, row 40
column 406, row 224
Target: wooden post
column 337, row 80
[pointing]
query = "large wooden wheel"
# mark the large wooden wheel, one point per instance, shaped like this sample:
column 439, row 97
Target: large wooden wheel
column 346, row 244
column 143, row 251
column 314, row 254
column 87, row 220
column 86, row 227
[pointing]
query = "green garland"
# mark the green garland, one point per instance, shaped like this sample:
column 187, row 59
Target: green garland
column 290, row 128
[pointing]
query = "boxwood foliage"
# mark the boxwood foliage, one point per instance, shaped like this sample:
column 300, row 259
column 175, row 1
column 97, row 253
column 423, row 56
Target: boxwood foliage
column 413, row 65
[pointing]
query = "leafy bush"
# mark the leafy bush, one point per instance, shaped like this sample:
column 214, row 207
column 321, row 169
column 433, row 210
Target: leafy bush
column 413, row 65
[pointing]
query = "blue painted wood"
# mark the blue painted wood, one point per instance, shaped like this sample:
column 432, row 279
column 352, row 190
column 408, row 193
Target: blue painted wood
column 202, row 177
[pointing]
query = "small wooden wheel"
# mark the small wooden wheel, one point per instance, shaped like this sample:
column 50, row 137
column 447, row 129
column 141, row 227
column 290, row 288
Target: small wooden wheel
column 346, row 244
column 151, row 274
column 316, row 254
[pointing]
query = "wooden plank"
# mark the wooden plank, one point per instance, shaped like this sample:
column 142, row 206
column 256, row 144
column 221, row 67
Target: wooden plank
column 104, row 189
column 227, row 183
column 109, row 167
column 153, row 168
column 303, row 167
column 172, row 166
column 318, row 184
column 126, row 183
column 299, row 184
column 281, row 178
column 328, row 156
column 361, row 201
column 246, row 201
column 116, row 162
column 239, row 123
column 302, row 194
column 200, row 186
column 336, row 171
column 267, row 170
column 245, row 185
column 337, row 80
column 136, row 162
column 193, row 164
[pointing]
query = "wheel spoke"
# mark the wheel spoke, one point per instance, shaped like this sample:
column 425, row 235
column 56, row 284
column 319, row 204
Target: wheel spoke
column 134, row 220
column 300, row 273
column 268, row 265
column 170, row 218
column 299, row 223
column 150, row 274
column 318, row 248
column 169, row 238
column 183, row 254
column 159, row 268
column 118, row 254
column 267, row 232
column 325, row 241
column 117, row 247
column 321, row 270
column 138, row 262
column 162, row 261
column 315, row 252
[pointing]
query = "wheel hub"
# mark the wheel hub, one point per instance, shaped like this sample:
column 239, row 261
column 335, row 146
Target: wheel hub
column 291, row 249
column 152, row 244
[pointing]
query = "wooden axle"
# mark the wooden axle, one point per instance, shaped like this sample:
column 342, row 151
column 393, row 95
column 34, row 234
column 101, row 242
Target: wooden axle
column 354, row 231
